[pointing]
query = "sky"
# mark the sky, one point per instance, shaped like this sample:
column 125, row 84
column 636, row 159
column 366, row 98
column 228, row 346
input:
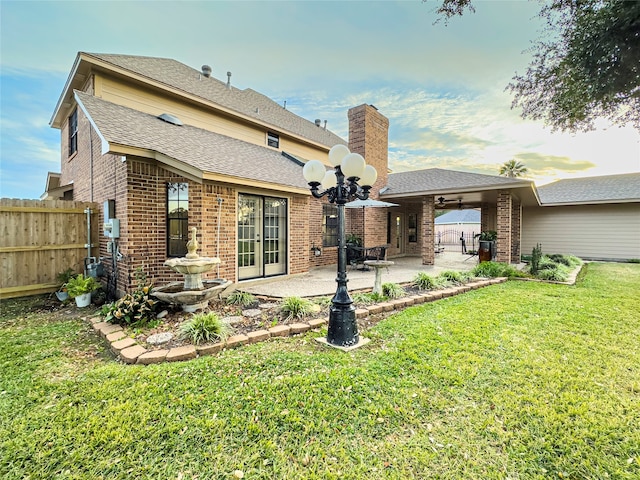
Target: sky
column 441, row 86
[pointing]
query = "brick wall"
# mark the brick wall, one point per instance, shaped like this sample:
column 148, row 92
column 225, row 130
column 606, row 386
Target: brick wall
column 138, row 187
column 329, row 255
column 503, row 245
column 369, row 136
column 300, row 255
column 516, row 229
column 211, row 210
column 427, row 220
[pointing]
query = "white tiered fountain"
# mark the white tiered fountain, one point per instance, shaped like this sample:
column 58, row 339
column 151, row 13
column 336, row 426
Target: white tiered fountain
column 194, row 293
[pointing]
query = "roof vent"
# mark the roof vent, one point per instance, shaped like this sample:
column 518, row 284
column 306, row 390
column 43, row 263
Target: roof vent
column 167, row 117
column 318, row 122
column 206, row 70
column 228, row 79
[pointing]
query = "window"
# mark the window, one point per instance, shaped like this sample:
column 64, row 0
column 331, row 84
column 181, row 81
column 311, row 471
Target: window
column 273, row 140
column 177, row 219
column 73, row 132
column 413, row 228
column 329, row 225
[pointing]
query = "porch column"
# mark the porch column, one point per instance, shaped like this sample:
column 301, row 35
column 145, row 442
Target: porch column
column 428, row 237
column 516, row 229
column 503, row 246
column 484, row 217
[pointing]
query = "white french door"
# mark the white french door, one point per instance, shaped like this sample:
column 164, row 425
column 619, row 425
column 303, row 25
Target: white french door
column 262, row 236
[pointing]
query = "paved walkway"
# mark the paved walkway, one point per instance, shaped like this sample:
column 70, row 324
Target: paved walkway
column 322, row 280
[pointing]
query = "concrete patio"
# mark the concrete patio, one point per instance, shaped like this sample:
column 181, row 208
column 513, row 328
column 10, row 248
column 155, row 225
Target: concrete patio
column 322, row 280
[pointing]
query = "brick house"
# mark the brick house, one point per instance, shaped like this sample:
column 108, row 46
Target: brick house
column 165, row 147
column 171, row 148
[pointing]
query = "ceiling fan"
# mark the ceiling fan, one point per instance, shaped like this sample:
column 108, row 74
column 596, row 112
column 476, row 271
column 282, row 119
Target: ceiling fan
column 443, row 201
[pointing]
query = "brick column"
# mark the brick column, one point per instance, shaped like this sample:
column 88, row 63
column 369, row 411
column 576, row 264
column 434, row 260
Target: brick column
column 516, row 229
column 428, row 237
column 484, row 217
column 504, row 227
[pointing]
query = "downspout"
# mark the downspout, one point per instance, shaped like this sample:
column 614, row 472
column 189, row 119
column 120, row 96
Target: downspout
column 219, row 200
column 90, row 165
column 88, row 245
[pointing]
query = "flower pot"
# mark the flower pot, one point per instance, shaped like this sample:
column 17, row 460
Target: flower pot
column 62, row 296
column 83, row 300
column 485, row 251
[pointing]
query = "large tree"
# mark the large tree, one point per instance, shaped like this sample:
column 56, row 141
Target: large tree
column 586, row 66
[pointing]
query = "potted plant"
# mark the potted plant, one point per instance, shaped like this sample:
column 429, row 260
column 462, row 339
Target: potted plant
column 487, row 248
column 80, row 288
column 62, row 279
column 353, row 239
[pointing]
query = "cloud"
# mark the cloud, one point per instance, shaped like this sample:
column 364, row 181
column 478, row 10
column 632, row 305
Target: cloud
column 440, row 86
column 543, row 165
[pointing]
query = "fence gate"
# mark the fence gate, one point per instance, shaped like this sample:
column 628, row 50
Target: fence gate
column 39, row 239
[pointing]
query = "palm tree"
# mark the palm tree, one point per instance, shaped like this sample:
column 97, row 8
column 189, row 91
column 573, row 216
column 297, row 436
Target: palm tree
column 512, row 169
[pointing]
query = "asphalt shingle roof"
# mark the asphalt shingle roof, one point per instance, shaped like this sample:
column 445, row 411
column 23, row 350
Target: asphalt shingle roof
column 609, row 188
column 207, row 151
column 247, row 102
column 437, row 179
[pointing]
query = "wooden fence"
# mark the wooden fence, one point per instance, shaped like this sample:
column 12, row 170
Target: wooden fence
column 39, row 239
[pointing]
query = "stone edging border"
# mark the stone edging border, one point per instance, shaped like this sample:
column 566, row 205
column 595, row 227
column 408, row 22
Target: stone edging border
column 130, row 352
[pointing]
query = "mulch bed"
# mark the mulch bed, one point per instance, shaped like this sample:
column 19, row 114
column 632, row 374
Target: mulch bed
column 270, row 315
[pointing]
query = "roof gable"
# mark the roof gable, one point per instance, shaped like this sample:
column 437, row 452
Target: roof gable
column 206, row 152
column 247, row 102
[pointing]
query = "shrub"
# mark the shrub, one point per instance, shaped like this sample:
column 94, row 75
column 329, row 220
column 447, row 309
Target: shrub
column 568, row 260
column 367, row 298
column 634, row 260
column 496, row 269
column 546, row 264
column 488, row 269
column 392, row 290
column 558, row 274
column 204, row 327
column 536, row 255
column 295, row 307
column 452, row 276
column 322, row 301
column 136, row 308
column 241, row 298
column 424, row 281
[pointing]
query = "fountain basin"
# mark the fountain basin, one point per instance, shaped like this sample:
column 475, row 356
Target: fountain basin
column 192, row 269
column 191, row 300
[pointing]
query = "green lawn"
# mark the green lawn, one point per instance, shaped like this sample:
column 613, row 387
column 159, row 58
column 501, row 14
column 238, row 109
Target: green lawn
column 515, row 381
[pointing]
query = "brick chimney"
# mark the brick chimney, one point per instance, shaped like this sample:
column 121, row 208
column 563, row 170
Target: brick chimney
column 369, row 136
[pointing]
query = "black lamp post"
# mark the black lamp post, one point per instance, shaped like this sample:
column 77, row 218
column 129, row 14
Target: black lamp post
column 340, row 186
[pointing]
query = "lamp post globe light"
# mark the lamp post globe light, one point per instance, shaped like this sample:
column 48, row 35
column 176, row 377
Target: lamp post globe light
column 350, row 178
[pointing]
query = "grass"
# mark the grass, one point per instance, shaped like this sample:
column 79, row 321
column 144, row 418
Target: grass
column 519, row 380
